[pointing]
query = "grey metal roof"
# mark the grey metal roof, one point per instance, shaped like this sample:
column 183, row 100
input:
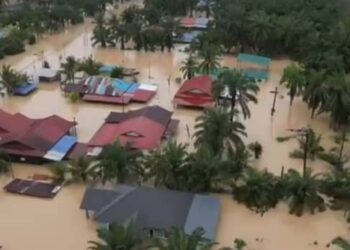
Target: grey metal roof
column 204, row 212
column 154, row 208
column 98, row 199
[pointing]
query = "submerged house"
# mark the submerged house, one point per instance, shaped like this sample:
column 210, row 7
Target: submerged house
column 110, row 90
column 153, row 211
column 37, row 140
column 142, row 129
column 196, row 92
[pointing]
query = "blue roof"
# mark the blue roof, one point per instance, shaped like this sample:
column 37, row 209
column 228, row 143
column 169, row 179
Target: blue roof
column 25, row 89
column 188, row 37
column 204, row 212
column 256, row 75
column 260, row 60
column 61, row 148
column 123, row 86
column 107, row 69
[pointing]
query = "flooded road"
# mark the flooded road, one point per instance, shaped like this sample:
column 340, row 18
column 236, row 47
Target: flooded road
column 36, row 224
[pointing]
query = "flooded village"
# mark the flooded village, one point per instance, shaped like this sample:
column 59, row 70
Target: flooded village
column 38, row 224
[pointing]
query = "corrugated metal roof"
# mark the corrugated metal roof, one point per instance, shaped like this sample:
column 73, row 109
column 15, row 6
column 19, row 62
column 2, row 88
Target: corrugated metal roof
column 205, row 213
column 61, row 148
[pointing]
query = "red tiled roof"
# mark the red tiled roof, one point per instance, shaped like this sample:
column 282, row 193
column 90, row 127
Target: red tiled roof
column 201, row 84
column 196, row 92
column 143, row 128
column 34, row 137
column 141, row 95
column 107, row 99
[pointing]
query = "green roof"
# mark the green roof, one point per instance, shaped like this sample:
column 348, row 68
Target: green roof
column 260, row 60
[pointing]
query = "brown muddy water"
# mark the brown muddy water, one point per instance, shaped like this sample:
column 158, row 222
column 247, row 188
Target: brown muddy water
column 36, row 224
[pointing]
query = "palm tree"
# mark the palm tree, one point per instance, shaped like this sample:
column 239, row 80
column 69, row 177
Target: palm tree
column 215, row 129
column 338, row 101
column 188, row 67
column 180, row 240
column 316, row 91
column 120, row 163
column 101, row 33
column 167, row 166
column 294, row 79
column 207, row 171
column 115, row 237
column 341, row 243
column 314, row 148
column 90, row 66
column 256, row 148
column 302, row 192
column 12, row 79
column 69, row 68
column 240, row 89
column 83, row 169
column 120, row 31
column 210, row 58
column 259, row 191
column 260, row 28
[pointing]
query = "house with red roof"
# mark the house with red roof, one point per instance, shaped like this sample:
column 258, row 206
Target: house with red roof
column 196, row 92
column 36, row 140
column 142, row 129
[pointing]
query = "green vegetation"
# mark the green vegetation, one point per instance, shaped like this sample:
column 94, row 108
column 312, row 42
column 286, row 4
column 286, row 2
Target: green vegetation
column 12, row 78
column 5, row 163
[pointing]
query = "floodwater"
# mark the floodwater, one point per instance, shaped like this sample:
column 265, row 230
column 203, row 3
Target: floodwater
column 36, row 224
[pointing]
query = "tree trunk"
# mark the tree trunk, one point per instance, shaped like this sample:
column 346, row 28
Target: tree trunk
column 122, row 43
column 233, row 104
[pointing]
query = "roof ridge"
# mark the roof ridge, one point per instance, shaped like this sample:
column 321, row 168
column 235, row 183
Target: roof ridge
column 113, row 202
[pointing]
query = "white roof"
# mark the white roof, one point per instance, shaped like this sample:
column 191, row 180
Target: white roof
column 48, row 73
column 149, row 87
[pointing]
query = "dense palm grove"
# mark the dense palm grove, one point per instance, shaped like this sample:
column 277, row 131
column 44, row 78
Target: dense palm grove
column 220, row 161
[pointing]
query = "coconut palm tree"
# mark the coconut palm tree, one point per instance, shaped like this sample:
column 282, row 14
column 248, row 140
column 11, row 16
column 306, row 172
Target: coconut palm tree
column 260, row 27
column 69, row 68
column 207, row 171
column 188, row 67
column 294, row 79
column 240, row 89
column 179, row 240
column 316, row 90
column 338, row 101
column 167, row 166
column 119, row 163
column 120, row 31
column 90, row 66
column 83, row 169
column 259, row 191
column 101, row 34
column 215, row 129
column 115, row 237
column 314, row 148
column 210, row 58
column 12, row 79
column 301, row 192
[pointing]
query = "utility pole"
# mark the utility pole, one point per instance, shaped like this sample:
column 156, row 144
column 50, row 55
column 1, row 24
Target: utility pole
column 275, row 92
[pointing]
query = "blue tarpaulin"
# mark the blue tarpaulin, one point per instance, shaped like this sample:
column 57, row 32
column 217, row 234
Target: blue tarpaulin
column 25, row 89
column 106, row 69
column 123, row 86
column 61, row 148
